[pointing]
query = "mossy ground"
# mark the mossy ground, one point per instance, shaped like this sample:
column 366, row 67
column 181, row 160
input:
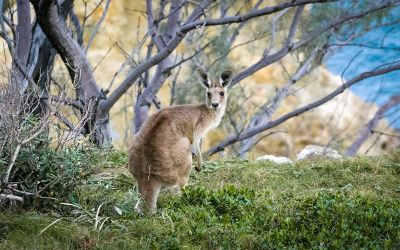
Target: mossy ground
column 352, row 203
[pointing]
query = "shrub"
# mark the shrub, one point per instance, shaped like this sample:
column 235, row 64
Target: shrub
column 43, row 174
column 232, row 217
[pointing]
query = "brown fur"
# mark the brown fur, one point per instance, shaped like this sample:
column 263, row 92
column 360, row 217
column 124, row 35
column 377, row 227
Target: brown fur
column 160, row 154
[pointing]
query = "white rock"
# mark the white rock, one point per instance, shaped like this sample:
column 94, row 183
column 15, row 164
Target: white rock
column 314, row 151
column 276, row 159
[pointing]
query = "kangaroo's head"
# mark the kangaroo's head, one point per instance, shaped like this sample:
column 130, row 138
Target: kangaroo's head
column 216, row 91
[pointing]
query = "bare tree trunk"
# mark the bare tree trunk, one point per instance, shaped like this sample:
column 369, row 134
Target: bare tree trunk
column 367, row 131
column 142, row 106
column 41, row 58
column 87, row 90
column 23, row 42
column 145, row 99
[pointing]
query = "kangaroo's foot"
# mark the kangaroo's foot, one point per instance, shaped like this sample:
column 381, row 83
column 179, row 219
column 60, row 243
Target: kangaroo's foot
column 198, row 167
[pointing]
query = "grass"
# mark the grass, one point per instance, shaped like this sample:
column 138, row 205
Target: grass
column 353, row 203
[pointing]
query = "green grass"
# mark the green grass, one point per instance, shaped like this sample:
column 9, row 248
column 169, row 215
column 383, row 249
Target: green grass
column 353, row 203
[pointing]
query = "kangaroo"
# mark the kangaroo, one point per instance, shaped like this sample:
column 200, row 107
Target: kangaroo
column 160, row 155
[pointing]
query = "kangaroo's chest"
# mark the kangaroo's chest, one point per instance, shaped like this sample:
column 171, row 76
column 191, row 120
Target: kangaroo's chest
column 205, row 127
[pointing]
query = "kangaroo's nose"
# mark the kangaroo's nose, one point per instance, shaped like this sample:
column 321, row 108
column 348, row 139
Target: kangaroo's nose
column 214, row 105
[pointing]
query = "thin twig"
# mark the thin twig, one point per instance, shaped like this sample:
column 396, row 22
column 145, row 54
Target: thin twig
column 97, row 27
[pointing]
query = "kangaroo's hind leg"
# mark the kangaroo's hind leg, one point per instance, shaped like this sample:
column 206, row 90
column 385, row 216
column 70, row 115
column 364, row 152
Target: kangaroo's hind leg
column 152, row 192
column 183, row 161
column 187, row 164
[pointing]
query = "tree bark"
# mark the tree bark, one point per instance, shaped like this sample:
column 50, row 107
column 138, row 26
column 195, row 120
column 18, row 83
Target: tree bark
column 41, row 58
column 23, row 42
column 87, row 90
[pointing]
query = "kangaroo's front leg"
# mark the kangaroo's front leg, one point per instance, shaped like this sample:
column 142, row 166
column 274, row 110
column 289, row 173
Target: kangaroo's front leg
column 199, row 160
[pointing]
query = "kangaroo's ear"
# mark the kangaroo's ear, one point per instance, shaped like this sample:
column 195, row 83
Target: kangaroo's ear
column 203, row 77
column 226, row 78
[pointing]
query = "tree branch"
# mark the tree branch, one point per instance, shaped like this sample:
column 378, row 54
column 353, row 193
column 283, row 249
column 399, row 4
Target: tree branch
column 74, row 103
column 189, row 25
column 97, row 27
column 70, row 51
column 250, row 15
column 369, row 128
column 253, row 131
column 145, row 99
column 268, row 108
column 294, row 25
column 269, row 59
column 161, row 55
column 78, row 27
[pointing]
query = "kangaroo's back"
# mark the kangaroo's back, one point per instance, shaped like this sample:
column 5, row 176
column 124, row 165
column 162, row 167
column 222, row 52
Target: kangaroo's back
column 153, row 151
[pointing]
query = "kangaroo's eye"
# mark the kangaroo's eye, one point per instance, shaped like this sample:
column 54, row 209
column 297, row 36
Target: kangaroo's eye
column 208, row 94
column 222, row 93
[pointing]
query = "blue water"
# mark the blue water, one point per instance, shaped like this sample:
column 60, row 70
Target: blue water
column 351, row 61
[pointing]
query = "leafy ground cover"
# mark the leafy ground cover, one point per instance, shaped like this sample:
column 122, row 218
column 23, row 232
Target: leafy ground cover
column 352, row 203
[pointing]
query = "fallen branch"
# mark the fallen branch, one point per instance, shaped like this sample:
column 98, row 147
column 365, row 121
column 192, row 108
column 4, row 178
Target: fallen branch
column 11, row 197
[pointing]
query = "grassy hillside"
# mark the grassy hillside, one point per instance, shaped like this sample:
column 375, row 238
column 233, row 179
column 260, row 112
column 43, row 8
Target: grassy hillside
column 232, row 204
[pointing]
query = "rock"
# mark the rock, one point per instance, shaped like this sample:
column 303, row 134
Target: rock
column 311, row 152
column 276, row 159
